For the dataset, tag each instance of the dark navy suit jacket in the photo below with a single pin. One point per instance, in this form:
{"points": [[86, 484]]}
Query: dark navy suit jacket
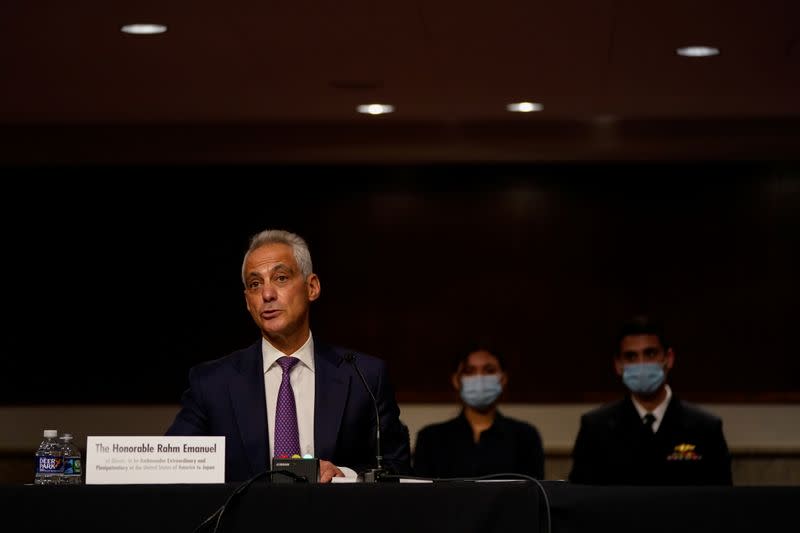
{"points": [[614, 447], [226, 397]]}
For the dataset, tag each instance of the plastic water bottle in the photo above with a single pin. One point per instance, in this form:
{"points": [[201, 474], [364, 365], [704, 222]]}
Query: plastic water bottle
{"points": [[72, 461], [49, 460]]}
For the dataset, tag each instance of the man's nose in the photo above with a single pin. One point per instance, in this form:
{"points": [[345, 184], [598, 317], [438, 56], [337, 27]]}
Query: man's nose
{"points": [[268, 292]]}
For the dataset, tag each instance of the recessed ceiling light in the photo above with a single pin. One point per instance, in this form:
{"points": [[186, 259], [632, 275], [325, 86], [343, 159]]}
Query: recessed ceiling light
{"points": [[375, 109], [524, 107], [143, 29], [697, 51]]}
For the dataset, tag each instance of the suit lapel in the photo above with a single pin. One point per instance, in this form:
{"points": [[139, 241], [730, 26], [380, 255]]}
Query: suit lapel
{"points": [[628, 415], [671, 416], [331, 386], [248, 399], [631, 423]]}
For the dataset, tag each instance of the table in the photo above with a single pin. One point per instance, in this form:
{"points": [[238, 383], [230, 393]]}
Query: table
{"points": [[407, 508]]}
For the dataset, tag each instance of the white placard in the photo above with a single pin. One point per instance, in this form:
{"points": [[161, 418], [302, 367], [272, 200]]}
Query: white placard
{"points": [[146, 460]]}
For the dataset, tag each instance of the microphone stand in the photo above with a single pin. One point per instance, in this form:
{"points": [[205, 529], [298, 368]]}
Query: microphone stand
{"points": [[372, 475]]}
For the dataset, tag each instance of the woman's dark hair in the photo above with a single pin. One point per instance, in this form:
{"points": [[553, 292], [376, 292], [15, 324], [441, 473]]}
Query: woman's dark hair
{"points": [[467, 349]]}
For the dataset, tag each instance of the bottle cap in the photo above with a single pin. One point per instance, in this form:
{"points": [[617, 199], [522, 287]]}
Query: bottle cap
{"points": [[49, 433], [66, 436]]}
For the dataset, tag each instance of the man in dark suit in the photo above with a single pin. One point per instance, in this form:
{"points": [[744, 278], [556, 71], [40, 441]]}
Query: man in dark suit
{"points": [[289, 394], [650, 437]]}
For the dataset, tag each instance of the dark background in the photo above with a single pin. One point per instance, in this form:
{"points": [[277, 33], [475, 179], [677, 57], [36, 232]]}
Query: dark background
{"points": [[118, 279]]}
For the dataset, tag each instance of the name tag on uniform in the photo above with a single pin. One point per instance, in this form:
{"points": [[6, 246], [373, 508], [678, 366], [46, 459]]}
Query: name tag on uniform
{"points": [[146, 460]]}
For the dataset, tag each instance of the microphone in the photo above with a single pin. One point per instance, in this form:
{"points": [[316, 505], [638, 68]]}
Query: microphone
{"points": [[374, 474]]}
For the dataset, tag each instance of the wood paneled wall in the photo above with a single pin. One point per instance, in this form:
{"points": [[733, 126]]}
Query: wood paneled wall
{"points": [[117, 280]]}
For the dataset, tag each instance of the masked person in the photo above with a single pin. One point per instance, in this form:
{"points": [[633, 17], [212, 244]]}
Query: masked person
{"points": [[480, 441], [649, 437]]}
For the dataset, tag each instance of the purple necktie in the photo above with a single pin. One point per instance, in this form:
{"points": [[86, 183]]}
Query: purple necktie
{"points": [[287, 439]]}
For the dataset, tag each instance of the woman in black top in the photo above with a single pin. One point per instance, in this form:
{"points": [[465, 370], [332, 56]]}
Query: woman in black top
{"points": [[480, 441]]}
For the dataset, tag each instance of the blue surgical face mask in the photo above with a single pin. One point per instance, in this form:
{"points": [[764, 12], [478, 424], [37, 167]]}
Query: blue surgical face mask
{"points": [[480, 391], [643, 378]]}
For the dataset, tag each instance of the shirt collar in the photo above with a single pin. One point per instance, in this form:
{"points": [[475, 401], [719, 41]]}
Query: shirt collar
{"points": [[305, 353], [659, 411]]}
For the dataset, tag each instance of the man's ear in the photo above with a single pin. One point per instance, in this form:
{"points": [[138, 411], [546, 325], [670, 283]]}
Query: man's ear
{"points": [[503, 379], [313, 287], [669, 359], [618, 366]]}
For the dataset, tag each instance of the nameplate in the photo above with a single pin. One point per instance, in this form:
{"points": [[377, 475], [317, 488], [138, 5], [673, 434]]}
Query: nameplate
{"points": [[154, 460]]}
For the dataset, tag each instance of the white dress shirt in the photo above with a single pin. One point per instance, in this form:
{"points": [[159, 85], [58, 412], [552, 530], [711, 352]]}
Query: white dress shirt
{"points": [[658, 412], [302, 380]]}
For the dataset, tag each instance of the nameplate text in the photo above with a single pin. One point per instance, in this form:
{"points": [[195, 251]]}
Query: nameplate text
{"points": [[146, 460]]}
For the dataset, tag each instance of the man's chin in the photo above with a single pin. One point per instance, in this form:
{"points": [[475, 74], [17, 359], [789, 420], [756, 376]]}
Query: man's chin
{"points": [[272, 328]]}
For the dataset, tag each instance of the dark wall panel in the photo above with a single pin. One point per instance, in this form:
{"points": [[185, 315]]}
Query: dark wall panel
{"points": [[117, 280]]}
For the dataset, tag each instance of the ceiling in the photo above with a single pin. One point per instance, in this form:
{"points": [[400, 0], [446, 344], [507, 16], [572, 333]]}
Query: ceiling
{"points": [[278, 81]]}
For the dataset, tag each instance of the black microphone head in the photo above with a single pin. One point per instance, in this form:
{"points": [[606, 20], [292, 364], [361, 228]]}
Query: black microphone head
{"points": [[350, 357]]}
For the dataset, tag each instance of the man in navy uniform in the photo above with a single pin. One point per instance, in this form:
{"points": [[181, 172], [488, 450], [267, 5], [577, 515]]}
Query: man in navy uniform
{"points": [[650, 437]]}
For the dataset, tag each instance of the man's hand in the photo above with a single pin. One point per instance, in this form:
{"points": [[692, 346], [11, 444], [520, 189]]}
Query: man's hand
{"points": [[328, 471]]}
